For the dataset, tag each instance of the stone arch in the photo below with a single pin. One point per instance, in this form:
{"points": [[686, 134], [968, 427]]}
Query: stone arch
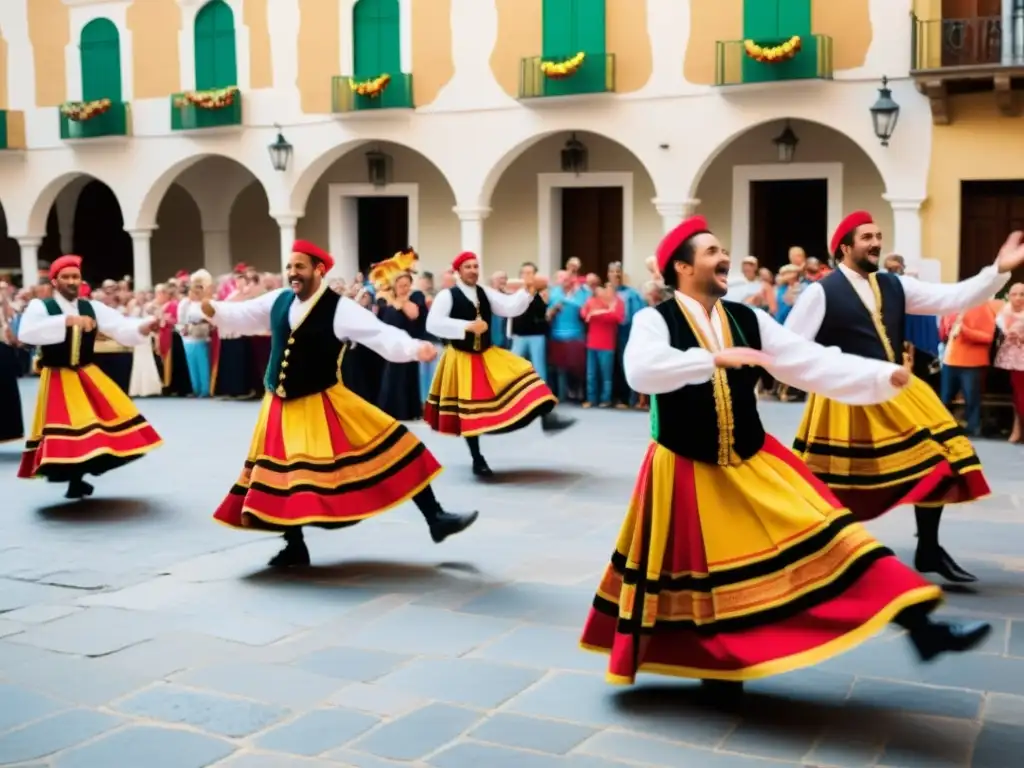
{"points": [[34, 224]]}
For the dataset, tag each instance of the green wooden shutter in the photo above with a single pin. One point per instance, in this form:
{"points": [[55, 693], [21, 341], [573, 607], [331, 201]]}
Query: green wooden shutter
{"points": [[215, 60], [100, 51], [794, 18], [589, 26], [559, 28], [761, 20], [377, 38]]}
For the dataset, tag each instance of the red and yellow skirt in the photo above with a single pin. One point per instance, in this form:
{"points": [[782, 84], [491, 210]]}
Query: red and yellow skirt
{"points": [[84, 425], [492, 392], [329, 460], [741, 572], [909, 450]]}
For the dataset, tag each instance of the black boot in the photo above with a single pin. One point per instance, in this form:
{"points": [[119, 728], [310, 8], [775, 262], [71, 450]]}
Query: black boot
{"points": [[78, 489], [552, 422], [442, 524], [294, 554], [931, 638], [480, 468], [930, 557]]}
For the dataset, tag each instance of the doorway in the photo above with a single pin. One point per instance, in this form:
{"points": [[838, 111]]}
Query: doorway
{"points": [[784, 214], [989, 211], [592, 227], [383, 224]]}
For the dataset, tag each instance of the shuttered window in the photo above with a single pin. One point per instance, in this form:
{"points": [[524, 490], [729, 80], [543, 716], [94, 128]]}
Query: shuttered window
{"points": [[571, 26], [776, 19], [377, 38], [216, 64], [100, 51]]}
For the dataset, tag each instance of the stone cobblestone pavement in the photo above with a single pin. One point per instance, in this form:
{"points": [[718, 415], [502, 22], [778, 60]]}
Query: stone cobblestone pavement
{"points": [[135, 632]]}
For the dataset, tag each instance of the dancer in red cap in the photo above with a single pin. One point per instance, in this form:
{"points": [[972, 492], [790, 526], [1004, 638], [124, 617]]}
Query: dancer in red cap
{"points": [[479, 388], [84, 424], [321, 455], [734, 562], [910, 450]]}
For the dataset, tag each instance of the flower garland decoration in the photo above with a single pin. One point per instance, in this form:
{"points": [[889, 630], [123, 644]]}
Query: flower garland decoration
{"points": [[216, 98], [81, 111], [369, 88], [560, 70], [773, 54]]}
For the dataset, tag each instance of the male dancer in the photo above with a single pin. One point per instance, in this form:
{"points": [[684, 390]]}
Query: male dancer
{"points": [[84, 424], [734, 562], [480, 388], [910, 450], [321, 455]]}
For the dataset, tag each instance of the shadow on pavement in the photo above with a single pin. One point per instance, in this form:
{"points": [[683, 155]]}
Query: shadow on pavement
{"points": [[102, 510], [535, 476]]}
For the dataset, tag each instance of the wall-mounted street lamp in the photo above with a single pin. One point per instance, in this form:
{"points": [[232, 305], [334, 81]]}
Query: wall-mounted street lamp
{"points": [[280, 152], [574, 156], [378, 168], [785, 144], [885, 113]]}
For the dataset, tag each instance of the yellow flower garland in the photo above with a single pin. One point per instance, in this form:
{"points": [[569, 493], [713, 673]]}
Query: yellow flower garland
{"points": [[216, 98], [370, 88], [563, 69], [81, 111], [774, 53]]}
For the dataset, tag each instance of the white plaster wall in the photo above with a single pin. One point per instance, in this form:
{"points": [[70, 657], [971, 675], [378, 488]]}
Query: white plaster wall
{"points": [[21, 79], [80, 15]]}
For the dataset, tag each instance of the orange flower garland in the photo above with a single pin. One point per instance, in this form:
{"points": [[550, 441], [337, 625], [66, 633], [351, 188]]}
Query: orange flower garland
{"points": [[369, 88], [563, 69], [218, 98], [81, 111], [774, 53]]}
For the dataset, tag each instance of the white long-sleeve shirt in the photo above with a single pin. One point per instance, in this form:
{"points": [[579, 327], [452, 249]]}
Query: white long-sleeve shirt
{"points": [[351, 323], [39, 328], [922, 298], [441, 324], [653, 366]]}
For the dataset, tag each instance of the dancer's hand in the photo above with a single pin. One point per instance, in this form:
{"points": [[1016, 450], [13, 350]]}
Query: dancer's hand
{"points": [[148, 327], [207, 307], [900, 378], [1011, 255], [426, 352], [80, 321], [737, 357], [477, 327]]}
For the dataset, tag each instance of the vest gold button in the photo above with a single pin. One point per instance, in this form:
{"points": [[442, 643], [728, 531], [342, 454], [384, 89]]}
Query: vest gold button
{"points": [[280, 392], [287, 352], [284, 363], [281, 376], [291, 340]]}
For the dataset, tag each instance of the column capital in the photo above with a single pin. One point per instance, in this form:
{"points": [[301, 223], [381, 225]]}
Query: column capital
{"points": [[469, 213], [140, 234], [286, 218], [900, 203], [30, 242], [675, 207]]}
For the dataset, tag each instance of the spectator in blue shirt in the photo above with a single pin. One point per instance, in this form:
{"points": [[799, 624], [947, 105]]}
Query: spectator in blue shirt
{"points": [[633, 302]]}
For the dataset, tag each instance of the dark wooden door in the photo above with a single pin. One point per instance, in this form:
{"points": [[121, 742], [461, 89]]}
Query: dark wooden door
{"points": [[592, 227], [383, 229], [784, 214], [989, 211]]}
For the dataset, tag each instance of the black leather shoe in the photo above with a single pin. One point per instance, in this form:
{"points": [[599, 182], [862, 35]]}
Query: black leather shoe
{"points": [[294, 555], [449, 523], [480, 469], [552, 422], [78, 489], [939, 637], [937, 560]]}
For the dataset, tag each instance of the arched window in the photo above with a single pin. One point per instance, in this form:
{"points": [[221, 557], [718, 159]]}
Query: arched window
{"points": [[376, 38], [216, 66], [571, 26], [100, 50], [770, 20]]}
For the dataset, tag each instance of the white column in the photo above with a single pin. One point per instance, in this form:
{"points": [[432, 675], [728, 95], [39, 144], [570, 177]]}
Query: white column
{"points": [[29, 259], [142, 260], [471, 226], [287, 226], [906, 236], [673, 213], [1006, 16], [217, 251]]}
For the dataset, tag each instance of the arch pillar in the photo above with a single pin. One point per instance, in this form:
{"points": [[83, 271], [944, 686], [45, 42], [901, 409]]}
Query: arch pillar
{"points": [[142, 260], [471, 227], [29, 260], [907, 236]]}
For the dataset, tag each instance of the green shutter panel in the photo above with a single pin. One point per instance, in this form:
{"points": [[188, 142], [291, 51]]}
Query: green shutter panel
{"points": [[589, 26], [215, 60], [559, 28], [366, 39], [794, 18], [100, 51], [761, 20], [389, 37]]}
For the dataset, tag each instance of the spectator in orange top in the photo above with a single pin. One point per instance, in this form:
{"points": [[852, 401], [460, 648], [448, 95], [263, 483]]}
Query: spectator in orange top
{"points": [[603, 313], [968, 338]]}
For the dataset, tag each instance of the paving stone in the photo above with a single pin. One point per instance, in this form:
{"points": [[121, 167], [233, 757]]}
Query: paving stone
{"points": [[470, 755], [40, 614], [270, 683], [544, 648], [206, 711], [15, 593], [94, 632], [417, 734], [362, 760], [805, 686], [998, 746], [848, 746], [19, 706], [150, 747], [82, 681], [240, 628], [531, 733], [781, 734], [8, 628], [926, 742], [317, 731], [1015, 644], [472, 682], [355, 664], [642, 750], [275, 760], [172, 652], [921, 699], [973, 671], [376, 700], [539, 603], [45, 737], [416, 630], [1008, 710], [80, 579]]}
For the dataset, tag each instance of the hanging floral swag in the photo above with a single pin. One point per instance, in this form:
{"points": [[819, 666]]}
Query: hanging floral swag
{"points": [[369, 88], [773, 54], [560, 70], [81, 111], [217, 98]]}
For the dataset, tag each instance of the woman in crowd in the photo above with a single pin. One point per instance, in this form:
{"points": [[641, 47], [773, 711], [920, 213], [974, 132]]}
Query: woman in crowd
{"points": [[400, 382], [1010, 356], [145, 379], [12, 426], [196, 335]]}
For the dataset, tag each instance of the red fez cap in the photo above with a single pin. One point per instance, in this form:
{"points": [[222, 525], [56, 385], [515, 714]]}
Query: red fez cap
{"points": [[182, 274], [241, 267], [64, 262], [85, 291], [848, 225], [677, 237], [306, 247], [462, 258]]}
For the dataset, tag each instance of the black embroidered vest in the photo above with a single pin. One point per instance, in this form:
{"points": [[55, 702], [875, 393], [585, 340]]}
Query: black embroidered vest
{"points": [[715, 422], [304, 360], [534, 321], [464, 309], [77, 349], [849, 325]]}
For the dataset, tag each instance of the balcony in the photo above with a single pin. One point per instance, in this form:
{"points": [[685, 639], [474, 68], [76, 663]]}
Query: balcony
{"points": [[116, 121], [957, 56], [395, 95], [734, 67], [221, 108], [12, 130], [596, 74]]}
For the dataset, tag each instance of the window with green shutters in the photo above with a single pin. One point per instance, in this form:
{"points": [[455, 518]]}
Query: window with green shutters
{"points": [[769, 20], [216, 65], [571, 26], [100, 51], [377, 39]]}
